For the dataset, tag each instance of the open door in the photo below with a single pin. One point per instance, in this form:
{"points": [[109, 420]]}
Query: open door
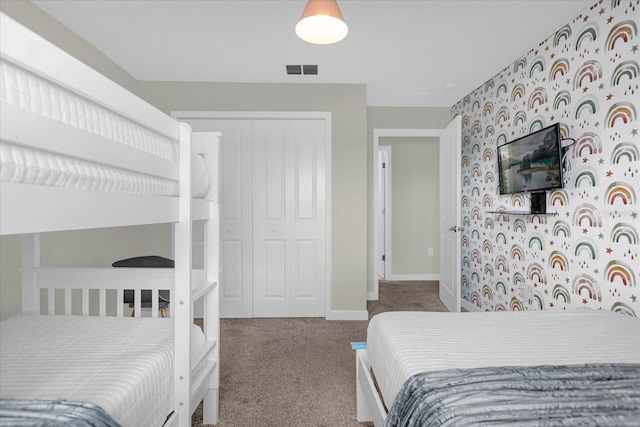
{"points": [[384, 165], [450, 216]]}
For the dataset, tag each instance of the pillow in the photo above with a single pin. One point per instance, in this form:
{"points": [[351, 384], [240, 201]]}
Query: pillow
{"points": [[150, 261]]}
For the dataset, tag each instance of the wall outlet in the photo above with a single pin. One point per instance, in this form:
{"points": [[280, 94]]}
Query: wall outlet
{"points": [[430, 251]]}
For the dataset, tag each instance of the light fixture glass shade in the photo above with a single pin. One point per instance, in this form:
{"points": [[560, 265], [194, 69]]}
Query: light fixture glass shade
{"points": [[321, 22]]}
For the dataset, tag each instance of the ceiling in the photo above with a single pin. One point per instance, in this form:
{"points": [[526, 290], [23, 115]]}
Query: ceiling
{"points": [[408, 53]]}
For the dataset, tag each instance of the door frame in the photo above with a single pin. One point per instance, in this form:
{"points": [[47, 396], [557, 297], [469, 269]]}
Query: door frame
{"points": [[288, 115], [386, 229], [377, 134]]}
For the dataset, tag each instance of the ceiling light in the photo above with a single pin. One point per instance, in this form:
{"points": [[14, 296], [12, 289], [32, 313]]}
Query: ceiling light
{"points": [[321, 23]]}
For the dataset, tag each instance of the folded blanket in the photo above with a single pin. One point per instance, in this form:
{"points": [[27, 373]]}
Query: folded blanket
{"points": [[594, 394], [38, 413]]}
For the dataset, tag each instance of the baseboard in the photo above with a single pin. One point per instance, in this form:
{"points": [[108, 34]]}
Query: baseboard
{"points": [[348, 315], [412, 277], [468, 306]]}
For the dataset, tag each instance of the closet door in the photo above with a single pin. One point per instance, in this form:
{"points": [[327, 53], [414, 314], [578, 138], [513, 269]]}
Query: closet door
{"points": [[236, 227], [288, 218]]}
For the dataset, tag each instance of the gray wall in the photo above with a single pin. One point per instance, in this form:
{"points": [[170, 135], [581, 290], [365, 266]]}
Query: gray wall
{"points": [[38, 21], [415, 205], [347, 103]]}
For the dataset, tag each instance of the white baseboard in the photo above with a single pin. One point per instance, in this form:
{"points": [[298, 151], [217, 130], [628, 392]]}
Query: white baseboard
{"points": [[468, 306], [412, 277], [348, 315]]}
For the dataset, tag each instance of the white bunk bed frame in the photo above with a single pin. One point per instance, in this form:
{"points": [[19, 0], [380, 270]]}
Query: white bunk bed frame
{"points": [[30, 209]]}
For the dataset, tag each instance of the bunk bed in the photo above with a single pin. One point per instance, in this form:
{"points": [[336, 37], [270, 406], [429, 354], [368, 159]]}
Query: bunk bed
{"points": [[431, 368], [80, 152]]}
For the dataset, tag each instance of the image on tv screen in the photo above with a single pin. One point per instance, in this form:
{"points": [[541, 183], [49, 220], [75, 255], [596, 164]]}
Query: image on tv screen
{"points": [[531, 162]]}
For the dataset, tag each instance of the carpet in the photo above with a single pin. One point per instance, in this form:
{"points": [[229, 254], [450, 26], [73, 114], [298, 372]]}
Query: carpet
{"points": [[300, 372]]}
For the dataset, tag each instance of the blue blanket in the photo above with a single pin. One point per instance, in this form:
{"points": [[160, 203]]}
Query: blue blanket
{"points": [[39, 413], [592, 395]]}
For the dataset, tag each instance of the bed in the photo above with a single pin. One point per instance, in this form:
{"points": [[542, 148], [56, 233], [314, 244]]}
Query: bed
{"points": [[77, 151], [437, 347]]}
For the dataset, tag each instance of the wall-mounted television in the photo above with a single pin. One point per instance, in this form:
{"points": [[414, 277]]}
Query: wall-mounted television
{"points": [[532, 162]]}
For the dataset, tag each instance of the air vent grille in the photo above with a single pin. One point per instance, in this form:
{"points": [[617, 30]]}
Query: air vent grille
{"points": [[310, 69], [294, 69], [307, 70]]}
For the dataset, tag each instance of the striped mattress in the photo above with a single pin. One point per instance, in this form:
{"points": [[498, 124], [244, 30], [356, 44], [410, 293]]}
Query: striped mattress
{"points": [[401, 344], [18, 164], [123, 365]]}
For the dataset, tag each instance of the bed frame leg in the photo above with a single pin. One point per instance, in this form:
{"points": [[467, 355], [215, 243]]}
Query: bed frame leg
{"points": [[210, 407]]}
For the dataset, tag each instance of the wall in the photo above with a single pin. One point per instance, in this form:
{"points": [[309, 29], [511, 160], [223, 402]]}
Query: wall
{"points": [[586, 77], [348, 154], [10, 294], [347, 103], [41, 23], [415, 222]]}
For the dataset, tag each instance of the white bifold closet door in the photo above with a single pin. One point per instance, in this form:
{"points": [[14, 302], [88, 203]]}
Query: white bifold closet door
{"points": [[273, 218]]}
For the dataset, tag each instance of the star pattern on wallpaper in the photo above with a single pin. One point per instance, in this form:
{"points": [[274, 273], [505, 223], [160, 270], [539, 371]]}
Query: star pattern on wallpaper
{"points": [[586, 77]]}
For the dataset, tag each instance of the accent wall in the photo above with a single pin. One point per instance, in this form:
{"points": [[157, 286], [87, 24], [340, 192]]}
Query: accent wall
{"points": [[586, 251]]}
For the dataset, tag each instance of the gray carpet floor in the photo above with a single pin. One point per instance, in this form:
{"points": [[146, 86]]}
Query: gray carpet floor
{"points": [[301, 371]]}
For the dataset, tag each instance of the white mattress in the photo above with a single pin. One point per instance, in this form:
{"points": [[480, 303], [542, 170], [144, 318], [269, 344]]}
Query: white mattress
{"points": [[124, 365], [25, 165], [23, 89], [401, 344]]}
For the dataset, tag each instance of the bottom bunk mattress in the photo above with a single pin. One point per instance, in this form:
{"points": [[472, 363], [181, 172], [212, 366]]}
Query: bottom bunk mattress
{"points": [[123, 365], [402, 344]]}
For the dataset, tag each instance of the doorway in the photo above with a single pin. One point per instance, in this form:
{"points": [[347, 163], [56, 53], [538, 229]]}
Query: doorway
{"points": [[378, 239]]}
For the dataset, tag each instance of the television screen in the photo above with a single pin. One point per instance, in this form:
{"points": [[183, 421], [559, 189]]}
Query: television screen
{"points": [[531, 163]]}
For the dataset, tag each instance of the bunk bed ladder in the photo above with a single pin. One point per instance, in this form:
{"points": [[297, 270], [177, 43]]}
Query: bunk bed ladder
{"points": [[182, 307], [197, 368], [206, 365]]}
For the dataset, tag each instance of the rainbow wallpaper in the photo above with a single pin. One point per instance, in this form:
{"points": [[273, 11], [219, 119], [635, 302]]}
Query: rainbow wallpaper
{"points": [[586, 76]]}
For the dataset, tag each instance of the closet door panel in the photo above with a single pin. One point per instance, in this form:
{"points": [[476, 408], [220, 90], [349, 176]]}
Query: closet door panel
{"points": [[231, 270], [305, 280], [272, 208], [307, 225], [271, 212], [272, 174], [305, 176], [236, 211]]}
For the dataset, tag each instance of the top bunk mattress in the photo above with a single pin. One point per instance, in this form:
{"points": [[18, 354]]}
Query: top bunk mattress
{"points": [[401, 344], [25, 91], [123, 365]]}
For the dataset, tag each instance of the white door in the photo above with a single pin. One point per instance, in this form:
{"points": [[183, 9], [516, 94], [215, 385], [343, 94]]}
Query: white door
{"points": [[383, 167], [272, 216], [450, 216], [289, 218], [236, 217]]}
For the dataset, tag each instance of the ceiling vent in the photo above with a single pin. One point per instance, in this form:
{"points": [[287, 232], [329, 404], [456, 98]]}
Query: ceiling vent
{"points": [[302, 69]]}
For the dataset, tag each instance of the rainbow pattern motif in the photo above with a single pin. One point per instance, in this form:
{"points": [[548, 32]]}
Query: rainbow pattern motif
{"points": [[586, 77]]}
